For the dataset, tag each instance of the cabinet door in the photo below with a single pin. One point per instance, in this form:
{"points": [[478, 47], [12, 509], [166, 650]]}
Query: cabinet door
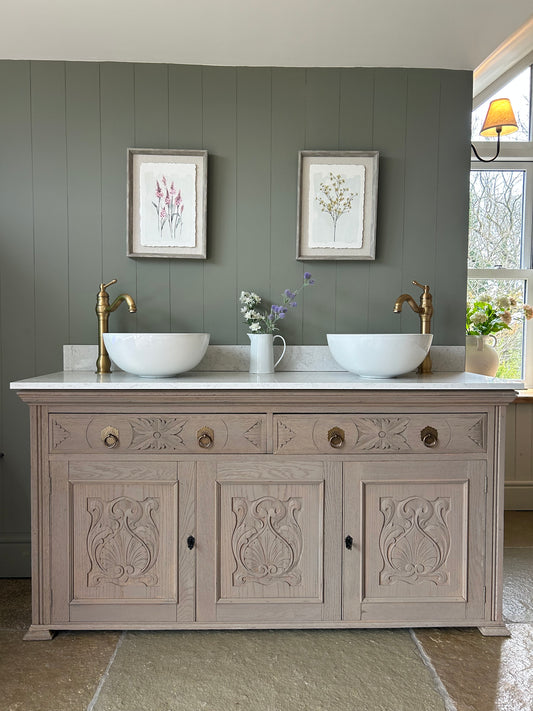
{"points": [[269, 536], [119, 542], [418, 532]]}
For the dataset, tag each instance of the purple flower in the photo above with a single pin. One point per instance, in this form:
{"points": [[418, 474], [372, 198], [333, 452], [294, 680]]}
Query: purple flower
{"points": [[266, 323]]}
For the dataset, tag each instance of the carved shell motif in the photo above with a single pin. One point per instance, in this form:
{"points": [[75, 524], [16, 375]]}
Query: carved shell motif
{"points": [[415, 540], [267, 541], [123, 541]]}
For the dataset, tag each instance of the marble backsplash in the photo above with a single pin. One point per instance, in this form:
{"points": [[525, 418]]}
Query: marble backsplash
{"points": [[297, 358]]}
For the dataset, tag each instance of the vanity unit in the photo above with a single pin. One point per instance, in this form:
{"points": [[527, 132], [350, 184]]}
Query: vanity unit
{"points": [[227, 500]]}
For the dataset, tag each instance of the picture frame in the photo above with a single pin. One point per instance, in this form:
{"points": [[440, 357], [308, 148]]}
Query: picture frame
{"points": [[167, 203], [337, 204]]}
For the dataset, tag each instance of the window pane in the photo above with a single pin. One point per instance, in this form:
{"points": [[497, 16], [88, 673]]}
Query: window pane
{"points": [[510, 343], [496, 219], [518, 91]]}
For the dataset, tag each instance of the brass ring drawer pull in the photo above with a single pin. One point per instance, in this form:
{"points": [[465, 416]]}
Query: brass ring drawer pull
{"points": [[110, 437], [336, 437], [205, 437], [430, 437]]}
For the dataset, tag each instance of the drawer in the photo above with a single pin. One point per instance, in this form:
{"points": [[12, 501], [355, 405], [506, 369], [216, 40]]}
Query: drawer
{"points": [[413, 433], [165, 434]]}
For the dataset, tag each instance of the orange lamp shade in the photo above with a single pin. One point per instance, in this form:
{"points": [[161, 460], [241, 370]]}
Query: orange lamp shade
{"points": [[500, 119]]}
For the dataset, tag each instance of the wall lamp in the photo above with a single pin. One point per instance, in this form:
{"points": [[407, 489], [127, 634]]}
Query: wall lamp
{"points": [[499, 121]]}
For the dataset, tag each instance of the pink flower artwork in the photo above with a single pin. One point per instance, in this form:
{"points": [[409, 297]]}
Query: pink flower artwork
{"points": [[169, 209]]}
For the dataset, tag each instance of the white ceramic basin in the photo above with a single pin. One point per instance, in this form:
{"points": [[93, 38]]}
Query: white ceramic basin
{"points": [[379, 355], [156, 355]]}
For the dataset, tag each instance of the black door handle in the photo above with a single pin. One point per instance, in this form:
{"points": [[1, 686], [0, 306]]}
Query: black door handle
{"points": [[190, 542], [348, 541]]}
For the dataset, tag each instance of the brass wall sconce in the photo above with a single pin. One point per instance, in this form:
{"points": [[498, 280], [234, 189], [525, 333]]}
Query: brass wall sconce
{"points": [[499, 121]]}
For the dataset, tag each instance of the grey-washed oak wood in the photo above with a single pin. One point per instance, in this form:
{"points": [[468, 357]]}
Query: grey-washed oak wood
{"points": [[148, 529]]}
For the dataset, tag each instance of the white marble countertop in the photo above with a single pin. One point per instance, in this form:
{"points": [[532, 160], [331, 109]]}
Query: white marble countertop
{"points": [[296, 380]]}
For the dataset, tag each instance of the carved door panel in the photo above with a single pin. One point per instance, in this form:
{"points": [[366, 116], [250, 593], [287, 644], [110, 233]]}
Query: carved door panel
{"points": [[119, 535], [271, 551], [418, 552]]}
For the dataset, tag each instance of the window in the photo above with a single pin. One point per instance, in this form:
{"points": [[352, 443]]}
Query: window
{"points": [[500, 260]]}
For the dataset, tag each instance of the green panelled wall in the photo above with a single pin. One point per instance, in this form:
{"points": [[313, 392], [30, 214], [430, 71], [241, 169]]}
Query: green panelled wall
{"points": [[64, 131]]}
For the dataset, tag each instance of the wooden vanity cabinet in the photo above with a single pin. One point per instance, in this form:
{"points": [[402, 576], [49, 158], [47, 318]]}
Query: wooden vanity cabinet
{"points": [[221, 509]]}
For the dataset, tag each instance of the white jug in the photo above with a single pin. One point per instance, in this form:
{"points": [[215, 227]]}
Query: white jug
{"points": [[262, 352]]}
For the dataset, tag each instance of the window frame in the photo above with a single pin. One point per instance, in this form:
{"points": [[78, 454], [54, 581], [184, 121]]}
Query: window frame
{"points": [[516, 156]]}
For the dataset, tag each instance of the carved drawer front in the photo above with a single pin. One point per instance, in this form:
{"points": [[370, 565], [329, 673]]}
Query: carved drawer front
{"points": [[163, 434], [383, 433]]}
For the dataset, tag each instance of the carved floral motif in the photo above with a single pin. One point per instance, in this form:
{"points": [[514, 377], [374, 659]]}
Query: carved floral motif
{"points": [[415, 540], [381, 433], [267, 541], [157, 433], [123, 541]]}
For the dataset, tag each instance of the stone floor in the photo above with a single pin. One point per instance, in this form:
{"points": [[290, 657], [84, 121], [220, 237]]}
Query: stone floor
{"points": [[319, 670]]}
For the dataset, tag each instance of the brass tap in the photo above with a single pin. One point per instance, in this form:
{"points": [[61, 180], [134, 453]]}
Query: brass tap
{"points": [[103, 309], [425, 311]]}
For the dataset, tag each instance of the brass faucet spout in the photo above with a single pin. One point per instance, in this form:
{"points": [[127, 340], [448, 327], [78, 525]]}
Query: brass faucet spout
{"points": [[405, 298], [103, 309], [123, 297]]}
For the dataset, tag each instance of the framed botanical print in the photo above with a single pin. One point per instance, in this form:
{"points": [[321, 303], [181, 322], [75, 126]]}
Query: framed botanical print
{"points": [[337, 204], [167, 192]]}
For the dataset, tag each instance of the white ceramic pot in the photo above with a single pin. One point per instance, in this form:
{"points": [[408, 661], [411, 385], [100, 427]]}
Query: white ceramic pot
{"points": [[262, 352], [481, 356]]}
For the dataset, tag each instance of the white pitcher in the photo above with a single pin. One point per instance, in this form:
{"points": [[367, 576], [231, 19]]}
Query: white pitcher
{"points": [[262, 352]]}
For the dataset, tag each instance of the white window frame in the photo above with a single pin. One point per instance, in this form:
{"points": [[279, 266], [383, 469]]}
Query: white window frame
{"points": [[516, 156]]}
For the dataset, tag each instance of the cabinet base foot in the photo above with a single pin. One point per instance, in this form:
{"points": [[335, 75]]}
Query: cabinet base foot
{"points": [[495, 631], [36, 633]]}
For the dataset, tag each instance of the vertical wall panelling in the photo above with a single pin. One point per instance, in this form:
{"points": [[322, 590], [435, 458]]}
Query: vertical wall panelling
{"points": [[83, 196], [321, 133], [421, 196], [17, 313], [356, 129], [64, 131], [186, 131], [220, 139], [288, 137], [386, 282], [452, 208], [117, 135], [151, 131], [50, 213], [253, 195]]}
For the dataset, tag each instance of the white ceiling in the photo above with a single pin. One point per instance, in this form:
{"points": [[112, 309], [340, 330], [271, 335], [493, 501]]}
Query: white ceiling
{"points": [[451, 34]]}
